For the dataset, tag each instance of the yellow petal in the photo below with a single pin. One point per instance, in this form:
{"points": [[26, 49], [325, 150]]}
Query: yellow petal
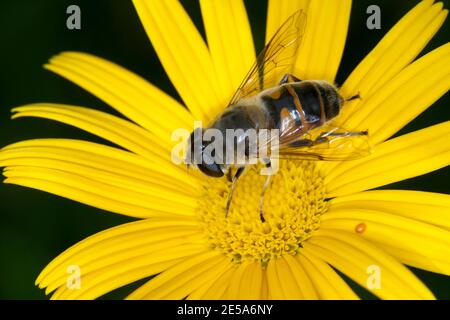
{"points": [[116, 253], [429, 207], [328, 284], [182, 279], [128, 234], [273, 282], [251, 284], [282, 282], [214, 289], [233, 287], [265, 294], [417, 260], [182, 53], [404, 97], [109, 127], [221, 266], [126, 92], [100, 157], [301, 277], [323, 43], [245, 283], [355, 257], [97, 283], [102, 195], [131, 248], [97, 175], [279, 10], [401, 158], [419, 239], [230, 43], [396, 50], [210, 289]]}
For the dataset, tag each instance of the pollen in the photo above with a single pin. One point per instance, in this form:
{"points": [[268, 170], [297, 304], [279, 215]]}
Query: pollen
{"points": [[293, 205]]}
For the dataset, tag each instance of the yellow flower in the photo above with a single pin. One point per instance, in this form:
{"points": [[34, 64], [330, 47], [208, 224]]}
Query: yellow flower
{"points": [[319, 215]]}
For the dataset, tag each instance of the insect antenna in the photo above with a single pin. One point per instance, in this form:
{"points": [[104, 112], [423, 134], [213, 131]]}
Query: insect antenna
{"points": [[356, 96]]}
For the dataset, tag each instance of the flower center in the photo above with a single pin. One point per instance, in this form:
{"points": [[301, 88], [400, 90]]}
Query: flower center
{"points": [[293, 204]]}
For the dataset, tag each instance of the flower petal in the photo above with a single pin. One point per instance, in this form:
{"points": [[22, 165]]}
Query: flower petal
{"points": [[101, 156], [288, 280], [424, 245], [115, 239], [328, 284], [97, 283], [209, 290], [323, 44], [101, 176], [428, 207], [109, 127], [214, 289], [353, 255], [182, 279], [91, 192], [396, 50], [401, 158], [403, 97], [273, 282], [230, 43], [183, 54], [265, 294], [279, 10], [115, 250], [282, 282], [212, 274], [124, 91], [245, 283], [301, 277], [252, 282], [324, 40]]}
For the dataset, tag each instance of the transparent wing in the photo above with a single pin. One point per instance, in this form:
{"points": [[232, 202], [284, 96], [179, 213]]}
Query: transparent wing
{"points": [[275, 60], [327, 142]]}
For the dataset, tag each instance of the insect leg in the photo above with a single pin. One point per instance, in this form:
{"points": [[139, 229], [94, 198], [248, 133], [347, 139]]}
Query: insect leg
{"points": [[288, 78], [325, 137], [301, 143], [344, 134], [356, 96], [229, 176], [233, 183], [322, 138], [261, 201]]}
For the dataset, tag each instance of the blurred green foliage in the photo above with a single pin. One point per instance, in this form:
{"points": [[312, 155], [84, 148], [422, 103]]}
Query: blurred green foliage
{"points": [[36, 226]]}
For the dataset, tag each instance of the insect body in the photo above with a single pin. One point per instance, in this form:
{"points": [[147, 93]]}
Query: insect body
{"points": [[271, 97], [301, 106]]}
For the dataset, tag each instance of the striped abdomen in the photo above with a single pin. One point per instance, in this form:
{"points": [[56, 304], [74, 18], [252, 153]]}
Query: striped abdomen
{"points": [[307, 104]]}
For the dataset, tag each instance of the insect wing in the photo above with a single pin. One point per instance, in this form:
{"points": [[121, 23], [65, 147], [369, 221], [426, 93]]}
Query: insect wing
{"points": [[276, 59], [326, 142]]}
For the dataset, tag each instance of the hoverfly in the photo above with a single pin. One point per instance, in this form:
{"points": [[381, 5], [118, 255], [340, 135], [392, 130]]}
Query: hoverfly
{"points": [[271, 97]]}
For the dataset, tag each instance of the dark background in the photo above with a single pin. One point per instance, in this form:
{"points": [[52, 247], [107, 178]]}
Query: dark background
{"points": [[36, 226]]}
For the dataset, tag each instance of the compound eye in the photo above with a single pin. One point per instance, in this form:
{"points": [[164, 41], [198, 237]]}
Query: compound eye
{"points": [[212, 170]]}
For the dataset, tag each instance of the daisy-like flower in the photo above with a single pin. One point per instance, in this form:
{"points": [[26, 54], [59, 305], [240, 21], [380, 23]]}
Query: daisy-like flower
{"points": [[319, 215]]}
